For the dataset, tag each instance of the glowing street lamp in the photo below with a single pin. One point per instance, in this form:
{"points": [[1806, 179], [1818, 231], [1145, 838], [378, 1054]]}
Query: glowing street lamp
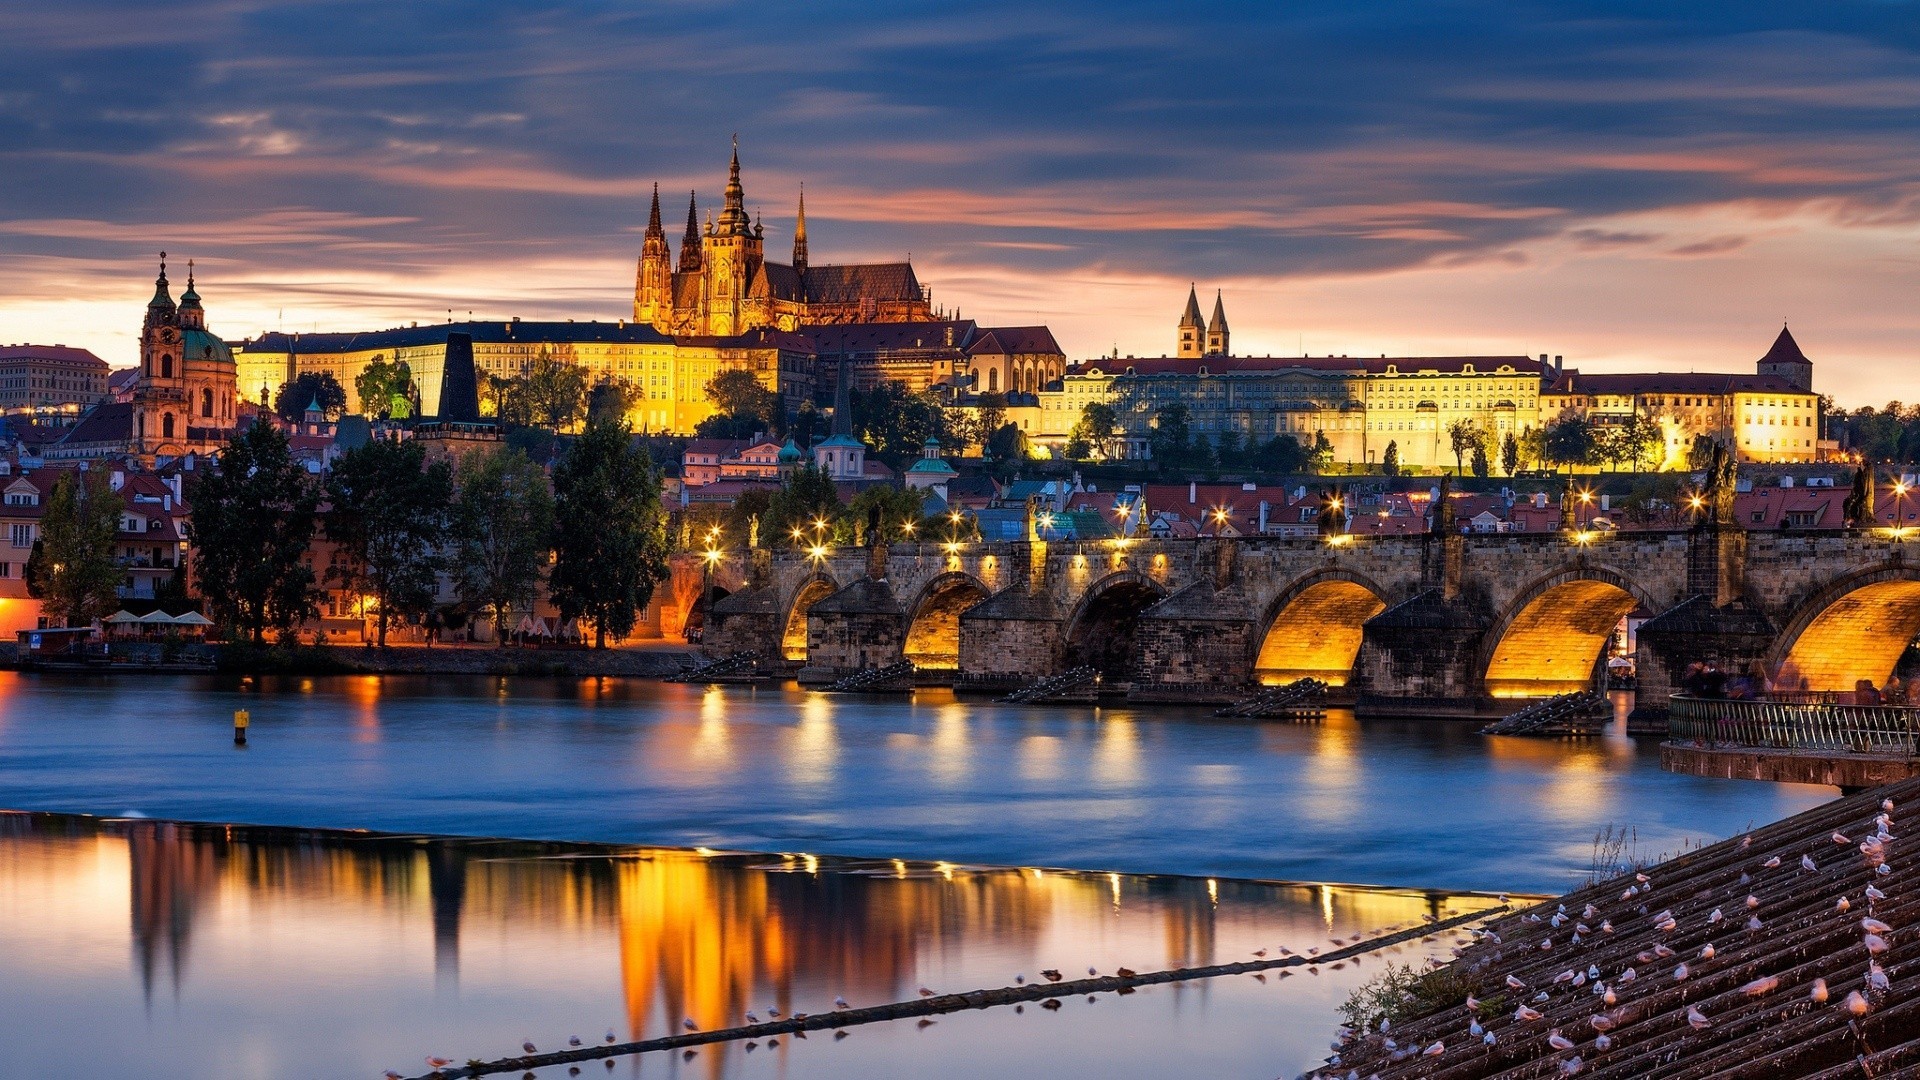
{"points": [[1899, 516]]}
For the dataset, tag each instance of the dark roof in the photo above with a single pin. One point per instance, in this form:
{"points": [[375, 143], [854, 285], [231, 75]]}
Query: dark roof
{"points": [[1233, 365], [834, 339], [1785, 350], [436, 333], [60, 353], [851, 284], [1657, 382], [1007, 340], [107, 422], [777, 280]]}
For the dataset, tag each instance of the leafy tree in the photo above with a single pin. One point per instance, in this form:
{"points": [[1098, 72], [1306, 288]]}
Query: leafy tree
{"points": [[897, 508], [728, 426], [72, 570], [612, 398], [1510, 454], [1280, 454], [386, 389], [1095, 430], [252, 526], [1532, 445], [609, 536], [1227, 449], [556, 392], [738, 392], [1464, 435], [305, 389], [1170, 441], [503, 531], [894, 423], [1320, 458], [1390, 461], [1482, 465], [806, 495], [389, 514], [1005, 450], [1569, 440]]}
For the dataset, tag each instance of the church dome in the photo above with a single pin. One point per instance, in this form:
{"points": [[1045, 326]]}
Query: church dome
{"points": [[203, 345], [790, 452]]}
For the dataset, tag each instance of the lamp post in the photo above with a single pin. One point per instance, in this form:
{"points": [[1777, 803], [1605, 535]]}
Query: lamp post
{"points": [[1899, 518]]}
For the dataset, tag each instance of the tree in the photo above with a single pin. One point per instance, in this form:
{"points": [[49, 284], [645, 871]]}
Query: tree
{"points": [[252, 526], [1532, 445], [389, 516], [503, 530], [386, 390], [1642, 438], [556, 392], [1280, 454], [1228, 450], [728, 426], [894, 423], [1320, 458], [1390, 461], [1170, 441], [1005, 449], [1094, 430], [895, 507], [738, 392], [612, 398], [1569, 440], [72, 570], [1464, 435], [1510, 454], [609, 535], [1482, 465], [806, 495], [305, 389]]}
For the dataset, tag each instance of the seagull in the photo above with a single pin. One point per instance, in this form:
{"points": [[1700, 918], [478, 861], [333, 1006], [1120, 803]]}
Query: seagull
{"points": [[1714, 916], [573, 1040], [1541, 996], [1524, 1014], [1515, 983], [1628, 975], [527, 1045], [927, 1022], [1474, 1029], [1601, 1022], [1606, 926], [1259, 952], [1559, 1041], [1435, 1050], [1771, 863], [1680, 973], [1877, 977], [839, 1003], [924, 992], [1018, 980], [1761, 986], [1571, 1065], [1887, 805], [438, 1063], [1754, 924], [1609, 997], [610, 1035], [1602, 1043], [1841, 839], [751, 1019], [1706, 951], [1050, 975], [773, 1011], [1806, 863], [1752, 901], [1473, 1003], [1875, 944], [1819, 993], [1488, 1038], [1841, 905], [1697, 1018], [687, 1022], [1128, 973], [1856, 1004], [1091, 974], [1875, 926]]}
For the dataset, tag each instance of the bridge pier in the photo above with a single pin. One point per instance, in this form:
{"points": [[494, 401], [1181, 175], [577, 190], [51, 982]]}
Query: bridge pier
{"points": [[1196, 645], [1419, 657], [862, 626]]}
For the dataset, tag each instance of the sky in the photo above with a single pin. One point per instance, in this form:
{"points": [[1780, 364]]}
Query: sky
{"points": [[1626, 184]]}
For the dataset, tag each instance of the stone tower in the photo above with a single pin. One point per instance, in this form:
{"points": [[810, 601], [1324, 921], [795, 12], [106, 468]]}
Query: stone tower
{"points": [[1787, 361], [1192, 330], [730, 253], [800, 236], [653, 285], [183, 399], [1217, 328], [690, 240]]}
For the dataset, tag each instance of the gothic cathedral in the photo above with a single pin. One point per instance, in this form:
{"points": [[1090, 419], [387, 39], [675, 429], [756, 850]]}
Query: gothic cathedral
{"points": [[722, 285]]}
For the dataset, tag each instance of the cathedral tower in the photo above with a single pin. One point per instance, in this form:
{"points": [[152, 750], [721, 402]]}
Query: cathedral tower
{"points": [[183, 399], [1192, 330], [1217, 328], [800, 236], [653, 284], [690, 240], [730, 254]]}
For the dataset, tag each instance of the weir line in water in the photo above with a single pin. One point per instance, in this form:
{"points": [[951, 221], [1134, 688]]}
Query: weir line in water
{"points": [[948, 1003]]}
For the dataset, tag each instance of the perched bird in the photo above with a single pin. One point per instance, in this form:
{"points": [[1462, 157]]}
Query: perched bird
{"points": [[1628, 975], [838, 1003], [1600, 1022], [1259, 952], [1515, 983], [1092, 973], [1877, 978], [391, 1075], [752, 1019], [1488, 1038], [574, 1040], [773, 1011], [1473, 1003], [1523, 1014], [1018, 980], [1541, 996], [687, 1022], [1714, 916], [1666, 925], [1841, 905], [1606, 926], [1050, 975], [1875, 894], [1840, 838], [1435, 1050], [1680, 973], [924, 992], [1559, 1041], [1609, 997], [1706, 951], [527, 1045], [1126, 973], [1875, 926], [1856, 1004], [1698, 1019], [1875, 944], [438, 1063], [927, 1022], [1754, 925], [1771, 863], [1752, 901], [1819, 992], [1474, 1029], [1602, 1044], [1662, 952], [1746, 842], [611, 1037], [1764, 985], [1806, 863], [1887, 805]]}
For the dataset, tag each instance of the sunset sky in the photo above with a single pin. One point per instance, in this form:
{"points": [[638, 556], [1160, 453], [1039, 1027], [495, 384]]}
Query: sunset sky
{"points": [[1623, 183]]}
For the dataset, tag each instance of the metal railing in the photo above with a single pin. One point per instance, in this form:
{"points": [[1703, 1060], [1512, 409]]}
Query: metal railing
{"points": [[1821, 726]]}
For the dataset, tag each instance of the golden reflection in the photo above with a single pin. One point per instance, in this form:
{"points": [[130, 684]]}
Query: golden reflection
{"points": [[815, 744], [1116, 753], [951, 761], [1040, 758]]}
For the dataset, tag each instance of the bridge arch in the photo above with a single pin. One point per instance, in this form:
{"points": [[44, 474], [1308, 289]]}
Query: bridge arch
{"points": [[1313, 627], [933, 619], [1549, 639], [1854, 628], [1105, 624], [793, 625]]}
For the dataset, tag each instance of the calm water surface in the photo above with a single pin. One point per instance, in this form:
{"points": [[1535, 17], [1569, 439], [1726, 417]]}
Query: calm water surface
{"points": [[1416, 804], [158, 950]]}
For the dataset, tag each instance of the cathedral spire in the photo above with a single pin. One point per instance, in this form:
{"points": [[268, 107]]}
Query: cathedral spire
{"points": [[690, 243], [733, 217], [800, 234], [162, 299], [654, 228]]}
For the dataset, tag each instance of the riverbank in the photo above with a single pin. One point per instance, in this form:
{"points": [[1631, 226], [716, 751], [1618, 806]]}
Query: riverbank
{"points": [[652, 660]]}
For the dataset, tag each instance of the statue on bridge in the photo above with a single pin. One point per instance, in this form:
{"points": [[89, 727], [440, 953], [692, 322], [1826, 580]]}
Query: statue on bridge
{"points": [[1441, 516], [1721, 485], [753, 531], [1858, 508]]}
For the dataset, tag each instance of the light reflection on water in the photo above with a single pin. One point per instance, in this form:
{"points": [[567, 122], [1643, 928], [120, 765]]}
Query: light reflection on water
{"points": [[1424, 804], [175, 951]]}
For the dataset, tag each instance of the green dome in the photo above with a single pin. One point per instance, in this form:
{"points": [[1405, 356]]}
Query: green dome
{"points": [[201, 345], [790, 452]]}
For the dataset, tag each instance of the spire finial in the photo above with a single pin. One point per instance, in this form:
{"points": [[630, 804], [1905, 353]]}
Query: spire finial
{"points": [[800, 233], [189, 274], [163, 266]]}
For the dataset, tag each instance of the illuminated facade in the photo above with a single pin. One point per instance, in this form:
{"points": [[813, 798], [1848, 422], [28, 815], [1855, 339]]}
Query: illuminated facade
{"points": [[50, 379]]}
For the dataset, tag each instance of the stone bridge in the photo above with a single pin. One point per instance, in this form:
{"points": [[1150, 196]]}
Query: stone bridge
{"points": [[1421, 623]]}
